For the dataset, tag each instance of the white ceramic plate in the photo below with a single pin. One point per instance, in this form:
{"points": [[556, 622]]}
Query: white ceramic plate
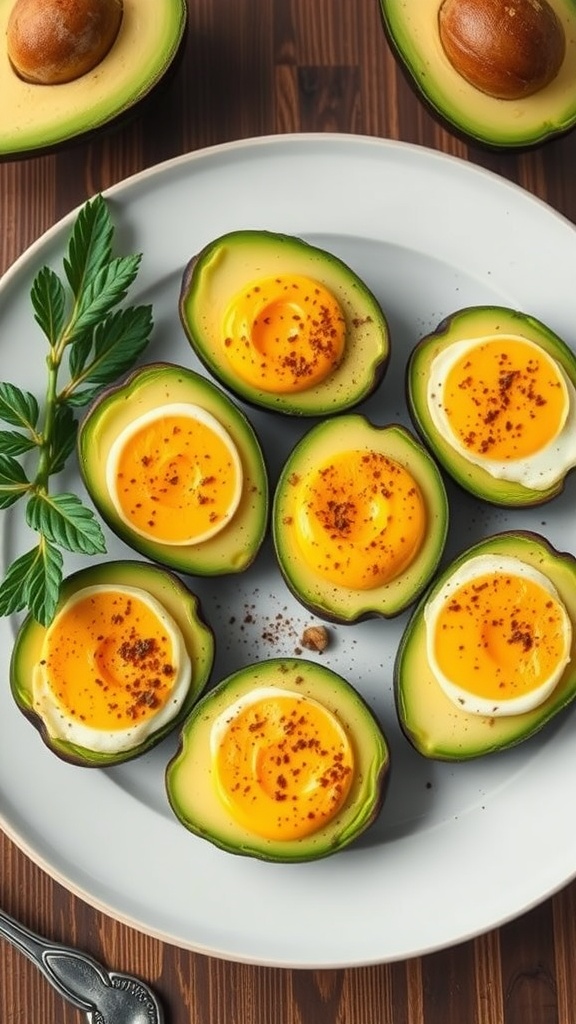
{"points": [[458, 848]]}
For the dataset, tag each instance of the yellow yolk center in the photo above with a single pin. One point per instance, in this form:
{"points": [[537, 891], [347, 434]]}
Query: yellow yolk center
{"points": [[500, 636], [505, 399], [175, 475], [361, 519], [109, 660], [283, 765], [284, 334]]}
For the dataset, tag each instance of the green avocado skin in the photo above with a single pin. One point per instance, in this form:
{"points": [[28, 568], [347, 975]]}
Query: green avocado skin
{"points": [[341, 604], [192, 792], [435, 727], [153, 385], [180, 603], [411, 30], [468, 323], [217, 274]]}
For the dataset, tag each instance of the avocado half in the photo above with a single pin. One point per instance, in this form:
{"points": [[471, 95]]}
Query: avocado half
{"points": [[39, 117], [469, 323], [347, 433], [432, 723], [191, 790], [218, 273], [236, 546], [180, 603], [412, 31]]}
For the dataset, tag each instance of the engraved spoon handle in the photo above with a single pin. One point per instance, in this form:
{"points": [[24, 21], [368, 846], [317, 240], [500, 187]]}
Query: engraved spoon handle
{"points": [[103, 995]]}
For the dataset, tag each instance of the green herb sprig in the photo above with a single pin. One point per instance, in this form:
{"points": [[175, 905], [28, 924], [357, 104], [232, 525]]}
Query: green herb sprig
{"points": [[80, 319]]}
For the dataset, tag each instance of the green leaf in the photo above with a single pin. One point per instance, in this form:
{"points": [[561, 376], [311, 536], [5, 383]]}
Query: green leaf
{"points": [[13, 481], [63, 439], [79, 353], [49, 303], [118, 342], [90, 245], [105, 290], [33, 580], [18, 407], [42, 583], [12, 442], [12, 589], [77, 399], [64, 520]]}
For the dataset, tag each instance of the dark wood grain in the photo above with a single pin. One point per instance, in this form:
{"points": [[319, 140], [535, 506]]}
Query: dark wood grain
{"points": [[254, 67]]}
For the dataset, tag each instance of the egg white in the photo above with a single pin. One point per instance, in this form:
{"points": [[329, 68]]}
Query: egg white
{"points": [[538, 471], [193, 412], [226, 717], [464, 699], [60, 725]]}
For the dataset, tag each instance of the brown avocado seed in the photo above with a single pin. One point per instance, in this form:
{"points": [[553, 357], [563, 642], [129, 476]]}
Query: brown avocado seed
{"points": [[54, 41], [508, 49]]}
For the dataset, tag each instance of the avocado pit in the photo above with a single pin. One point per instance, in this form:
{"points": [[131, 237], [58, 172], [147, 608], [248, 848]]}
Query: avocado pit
{"points": [[508, 49], [50, 42]]}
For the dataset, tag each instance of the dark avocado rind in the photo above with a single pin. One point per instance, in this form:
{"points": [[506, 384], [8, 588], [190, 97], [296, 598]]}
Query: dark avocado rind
{"points": [[221, 269], [477, 322], [236, 546], [412, 31], [179, 602], [436, 727], [38, 118], [192, 793], [353, 432]]}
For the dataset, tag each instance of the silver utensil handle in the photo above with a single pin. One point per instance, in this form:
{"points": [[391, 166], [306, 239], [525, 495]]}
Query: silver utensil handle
{"points": [[76, 976]]}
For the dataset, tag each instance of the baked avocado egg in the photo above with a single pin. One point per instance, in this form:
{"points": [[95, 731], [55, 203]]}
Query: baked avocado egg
{"points": [[176, 470], [125, 658], [498, 71], [359, 519], [283, 324], [489, 654], [492, 391], [282, 761], [38, 116]]}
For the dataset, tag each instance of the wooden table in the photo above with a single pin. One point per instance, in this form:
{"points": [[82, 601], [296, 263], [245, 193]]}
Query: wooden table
{"points": [[255, 67]]}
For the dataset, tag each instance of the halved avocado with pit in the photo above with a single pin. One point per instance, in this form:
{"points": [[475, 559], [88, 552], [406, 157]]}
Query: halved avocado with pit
{"points": [[191, 785], [413, 33], [468, 324], [37, 117], [349, 433], [214, 277], [177, 600], [434, 725], [234, 548]]}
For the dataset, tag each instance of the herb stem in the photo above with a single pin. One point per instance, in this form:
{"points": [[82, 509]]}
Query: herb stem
{"points": [[45, 447]]}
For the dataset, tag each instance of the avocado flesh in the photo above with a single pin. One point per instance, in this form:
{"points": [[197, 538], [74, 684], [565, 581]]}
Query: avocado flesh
{"points": [[412, 30], [341, 604], [433, 724], [36, 117], [192, 792], [221, 270], [235, 547], [478, 322], [178, 601]]}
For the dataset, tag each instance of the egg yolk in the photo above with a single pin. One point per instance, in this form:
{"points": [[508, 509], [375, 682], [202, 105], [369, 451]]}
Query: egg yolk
{"points": [[175, 475], [505, 399], [284, 334], [361, 519], [109, 660], [283, 766], [500, 636]]}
